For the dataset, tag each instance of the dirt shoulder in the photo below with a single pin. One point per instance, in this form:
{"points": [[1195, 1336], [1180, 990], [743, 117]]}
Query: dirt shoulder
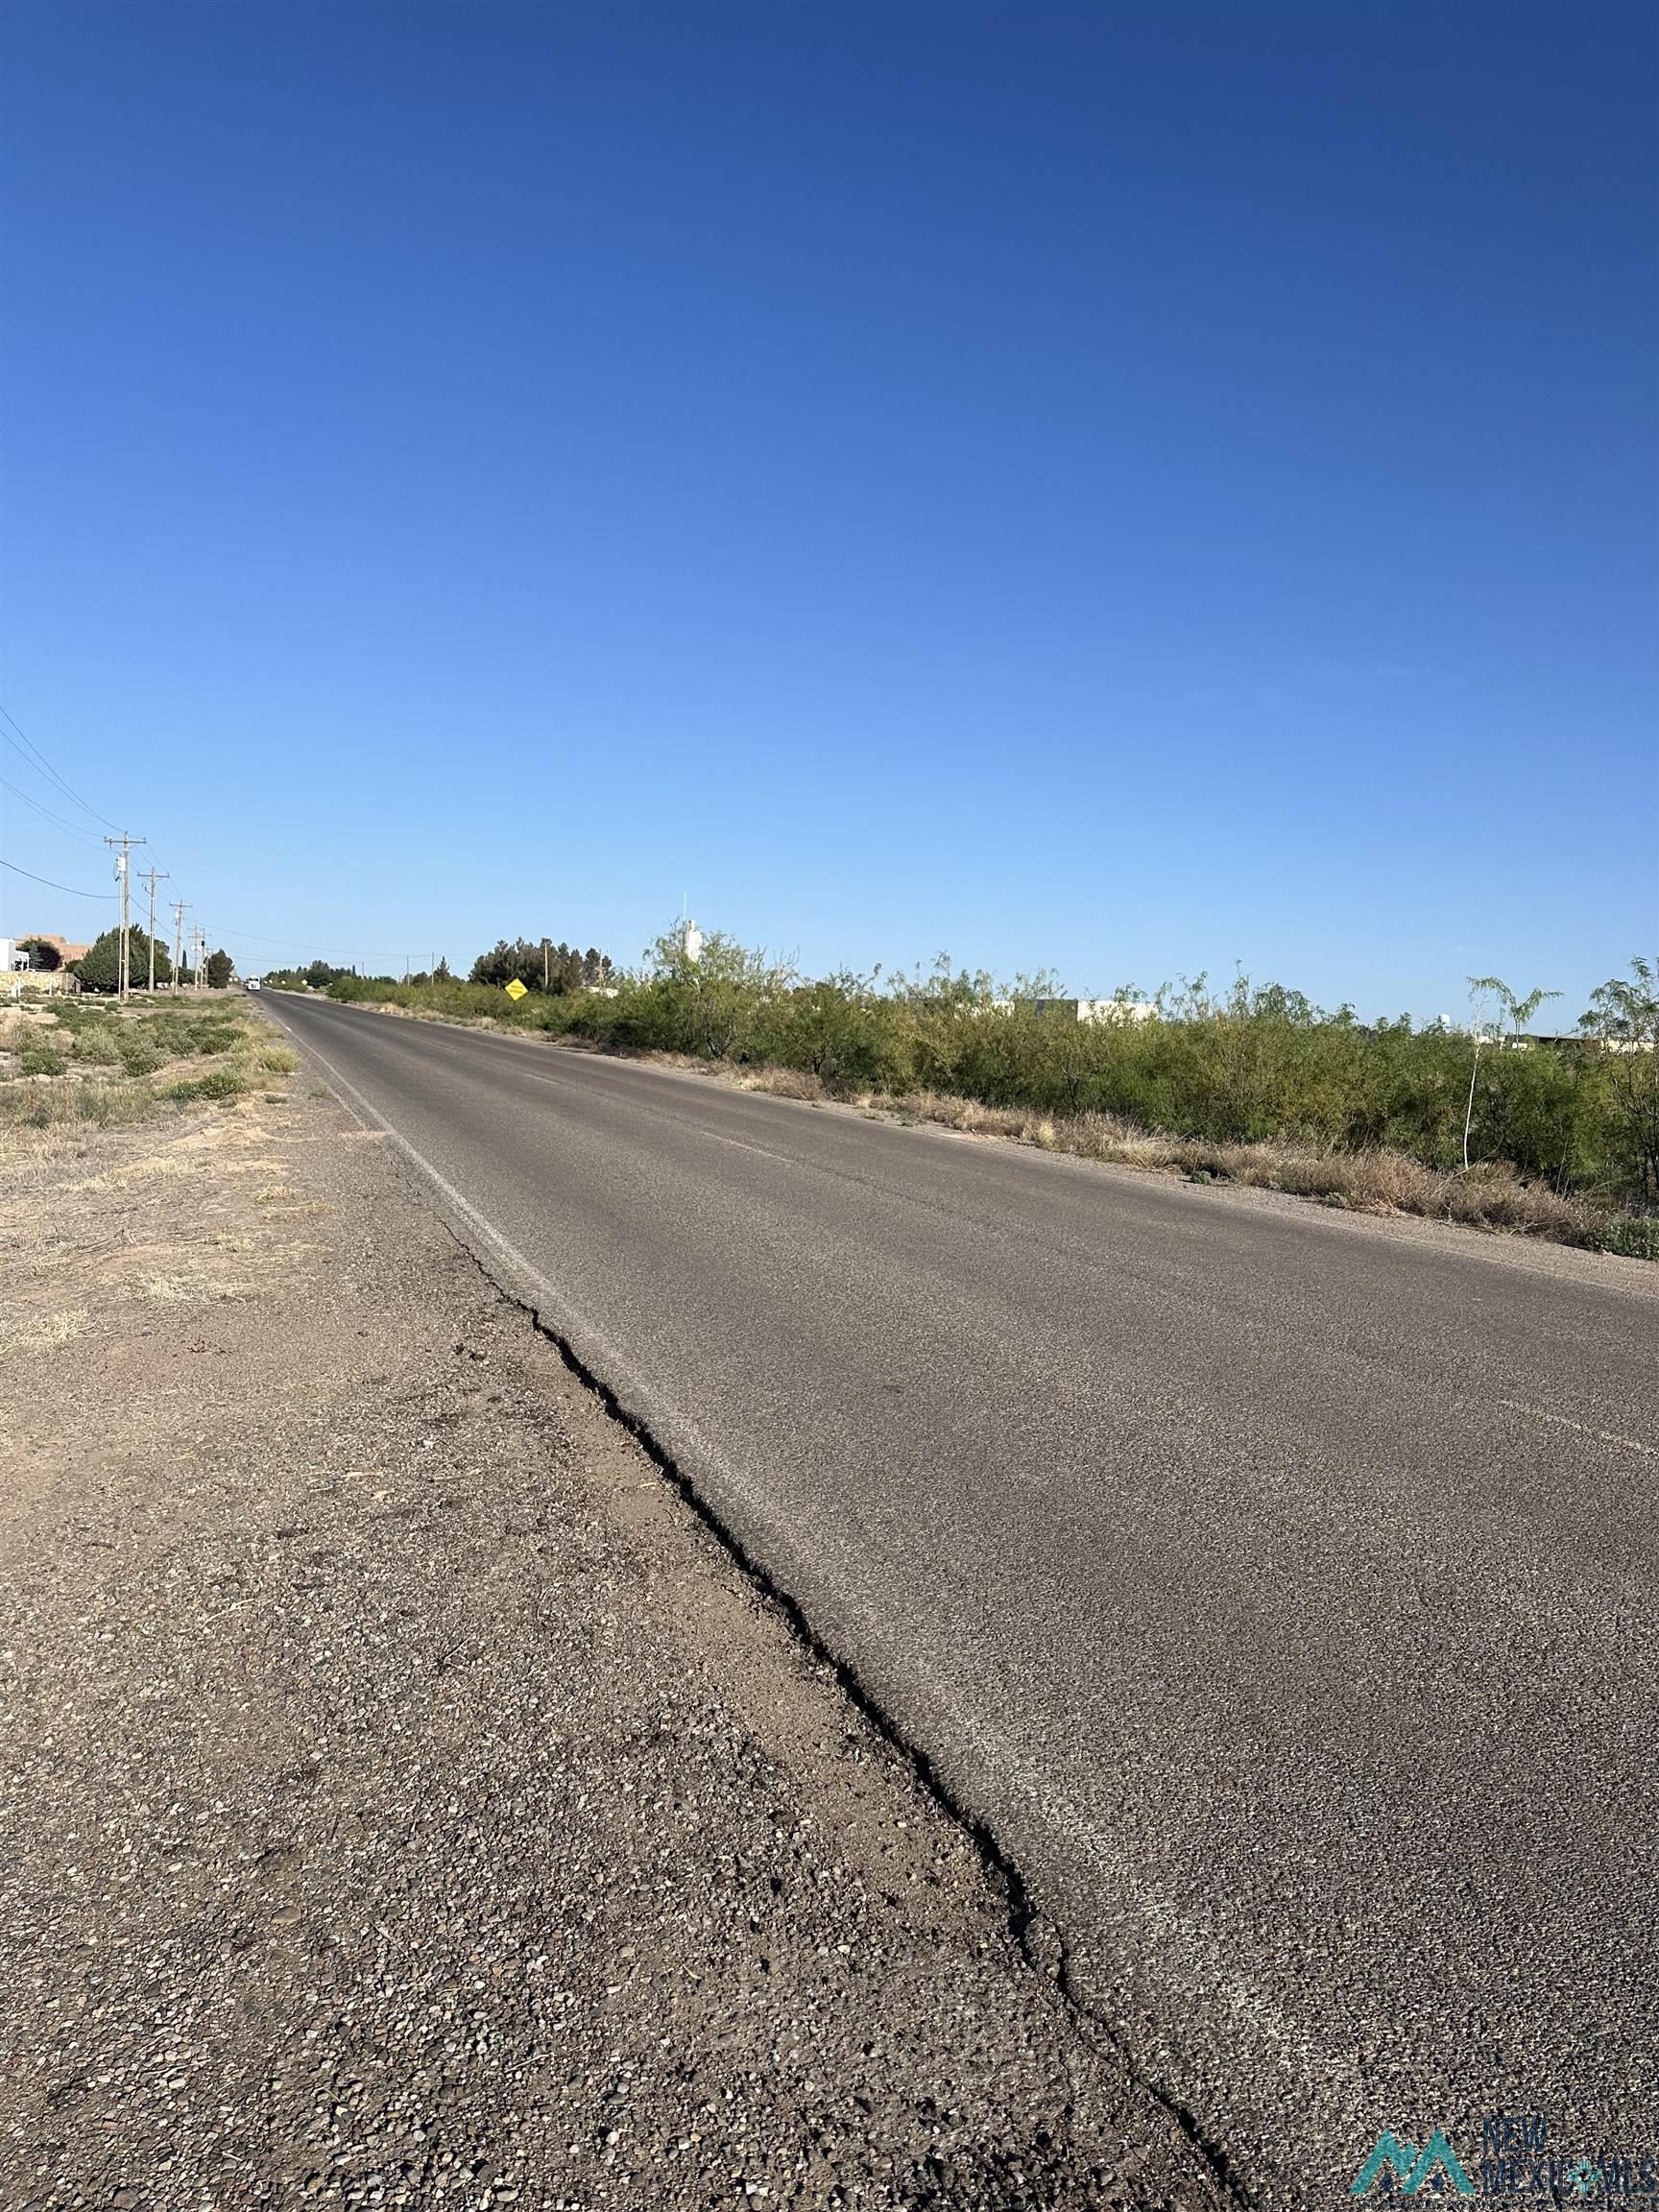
{"points": [[407, 1800]]}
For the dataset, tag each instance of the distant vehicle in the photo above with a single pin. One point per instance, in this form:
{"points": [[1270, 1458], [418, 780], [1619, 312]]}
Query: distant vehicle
{"points": [[252, 982]]}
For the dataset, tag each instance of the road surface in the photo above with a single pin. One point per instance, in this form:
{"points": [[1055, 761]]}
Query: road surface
{"points": [[1279, 1587]]}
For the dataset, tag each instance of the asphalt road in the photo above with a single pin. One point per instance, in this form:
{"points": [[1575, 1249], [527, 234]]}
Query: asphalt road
{"points": [[1278, 1586]]}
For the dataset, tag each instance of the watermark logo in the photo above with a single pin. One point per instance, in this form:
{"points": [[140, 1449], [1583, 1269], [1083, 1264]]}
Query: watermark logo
{"points": [[1412, 2169], [1520, 2164]]}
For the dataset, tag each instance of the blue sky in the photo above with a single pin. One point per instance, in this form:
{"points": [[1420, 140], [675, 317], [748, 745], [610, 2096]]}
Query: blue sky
{"points": [[1125, 488]]}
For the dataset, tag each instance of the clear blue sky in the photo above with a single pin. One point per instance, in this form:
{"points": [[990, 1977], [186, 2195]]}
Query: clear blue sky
{"points": [[1125, 488]]}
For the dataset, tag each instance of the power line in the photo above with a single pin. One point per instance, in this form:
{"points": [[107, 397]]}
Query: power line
{"points": [[70, 829], [51, 886], [32, 753], [292, 943], [24, 746]]}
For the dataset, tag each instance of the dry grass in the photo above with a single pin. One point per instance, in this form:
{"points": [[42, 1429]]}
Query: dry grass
{"points": [[45, 1119], [781, 1083], [1374, 1182], [47, 1116], [156, 1287], [44, 1332]]}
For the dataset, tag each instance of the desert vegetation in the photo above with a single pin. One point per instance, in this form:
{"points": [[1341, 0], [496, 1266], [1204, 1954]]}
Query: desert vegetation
{"points": [[83, 1063], [1249, 1082]]}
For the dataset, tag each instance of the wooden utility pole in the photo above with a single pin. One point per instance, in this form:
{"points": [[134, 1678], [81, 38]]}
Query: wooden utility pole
{"points": [[123, 868], [544, 966], [178, 943], [153, 876]]}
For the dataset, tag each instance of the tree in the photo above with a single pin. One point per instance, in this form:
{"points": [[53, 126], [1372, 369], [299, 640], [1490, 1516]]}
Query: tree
{"points": [[1520, 1012], [1622, 1017], [539, 964], [44, 958], [99, 967], [220, 970]]}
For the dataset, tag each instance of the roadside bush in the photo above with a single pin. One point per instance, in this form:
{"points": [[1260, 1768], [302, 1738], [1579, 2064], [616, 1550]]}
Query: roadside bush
{"points": [[171, 1034], [1636, 1237], [835, 1031], [95, 1043], [1622, 1019], [217, 1083], [35, 1056]]}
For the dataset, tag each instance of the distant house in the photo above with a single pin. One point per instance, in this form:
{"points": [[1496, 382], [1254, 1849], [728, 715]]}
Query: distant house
{"points": [[62, 946], [1103, 1010], [1575, 1039]]}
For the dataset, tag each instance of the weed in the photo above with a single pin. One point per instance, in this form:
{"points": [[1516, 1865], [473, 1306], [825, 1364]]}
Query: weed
{"points": [[1636, 1237], [217, 1083]]}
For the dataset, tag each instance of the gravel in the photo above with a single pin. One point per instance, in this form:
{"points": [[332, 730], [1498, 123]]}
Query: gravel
{"points": [[407, 1798]]}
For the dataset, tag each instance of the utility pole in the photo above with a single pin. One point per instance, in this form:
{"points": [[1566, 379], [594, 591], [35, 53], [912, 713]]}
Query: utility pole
{"points": [[200, 938], [544, 966], [178, 943], [123, 870], [153, 876]]}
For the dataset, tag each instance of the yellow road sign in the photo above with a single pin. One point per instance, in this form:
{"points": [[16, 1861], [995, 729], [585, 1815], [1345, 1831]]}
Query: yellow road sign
{"points": [[516, 989]]}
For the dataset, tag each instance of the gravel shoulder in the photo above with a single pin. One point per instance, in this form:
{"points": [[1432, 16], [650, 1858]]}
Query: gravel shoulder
{"points": [[407, 1798]]}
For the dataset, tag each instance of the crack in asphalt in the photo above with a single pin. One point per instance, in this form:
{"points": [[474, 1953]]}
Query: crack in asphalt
{"points": [[1040, 1942], [1031, 1929]]}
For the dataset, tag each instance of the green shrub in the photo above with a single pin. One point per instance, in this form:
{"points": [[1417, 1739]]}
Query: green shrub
{"points": [[138, 1056], [36, 1057], [170, 1034], [1623, 1022], [1636, 1235], [217, 1083], [95, 1043]]}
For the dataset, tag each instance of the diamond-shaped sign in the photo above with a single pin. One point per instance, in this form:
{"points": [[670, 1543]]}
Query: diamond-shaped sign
{"points": [[516, 989]]}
